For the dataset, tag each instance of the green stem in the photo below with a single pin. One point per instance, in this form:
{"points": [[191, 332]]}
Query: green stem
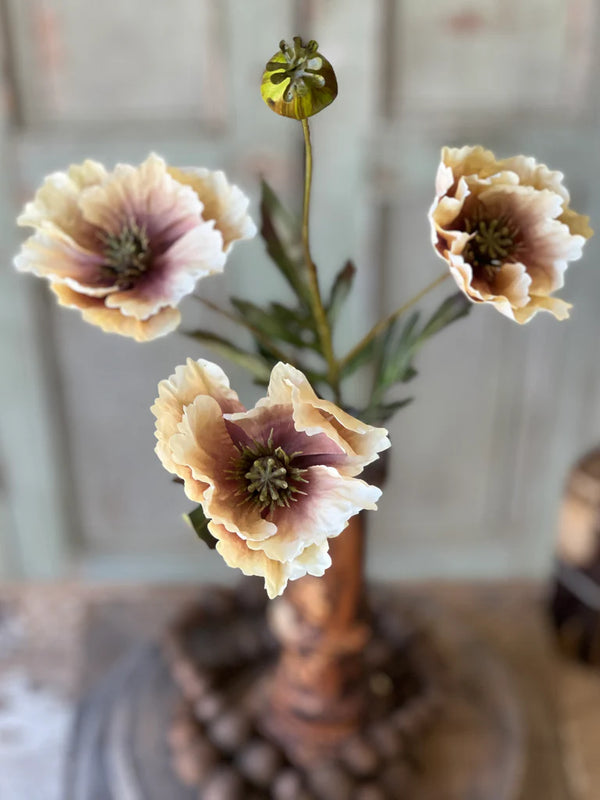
{"points": [[383, 324], [318, 309], [258, 334]]}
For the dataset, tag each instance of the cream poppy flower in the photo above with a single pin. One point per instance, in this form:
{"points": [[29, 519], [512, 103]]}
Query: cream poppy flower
{"points": [[275, 481], [124, 247], [506, 230]]}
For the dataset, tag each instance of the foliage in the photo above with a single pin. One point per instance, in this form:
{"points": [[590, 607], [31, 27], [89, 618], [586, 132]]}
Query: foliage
{"points": [[288, 331]]}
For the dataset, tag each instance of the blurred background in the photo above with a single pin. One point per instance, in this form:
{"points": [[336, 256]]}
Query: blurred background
{"points": [[500, 411]]}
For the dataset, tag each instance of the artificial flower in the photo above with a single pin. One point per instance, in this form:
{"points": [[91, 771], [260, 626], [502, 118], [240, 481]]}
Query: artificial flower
{"points": [[506, 230], [298, 81], [276, 481], [124, 247]]}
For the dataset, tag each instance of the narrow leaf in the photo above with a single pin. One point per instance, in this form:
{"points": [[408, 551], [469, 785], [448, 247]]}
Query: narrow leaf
{"points": [[269, 324], [387, 410], [282, 236], [249, 361], [340, 290], [453, 308], [198, 521], [384, 411], [396, 364], [366, 352]]}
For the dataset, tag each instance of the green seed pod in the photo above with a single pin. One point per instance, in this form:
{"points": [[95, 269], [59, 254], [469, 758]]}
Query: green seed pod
{"points": [[298, 82]]}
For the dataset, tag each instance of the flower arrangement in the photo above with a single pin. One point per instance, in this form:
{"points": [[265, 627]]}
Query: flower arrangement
{"points": [[277, 488], [274, 483]]}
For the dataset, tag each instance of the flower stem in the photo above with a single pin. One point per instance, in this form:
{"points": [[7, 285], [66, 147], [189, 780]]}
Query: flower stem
{"points": [[383, 324], [318, 310]]}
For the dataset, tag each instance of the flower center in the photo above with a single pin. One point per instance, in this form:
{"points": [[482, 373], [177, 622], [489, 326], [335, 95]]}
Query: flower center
{"points": [[266, 475], [127, 254], [301, 68], [493, 243]]}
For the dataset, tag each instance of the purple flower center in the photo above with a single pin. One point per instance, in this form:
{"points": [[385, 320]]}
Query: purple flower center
{"points": [[127, 255], [494, 242]]}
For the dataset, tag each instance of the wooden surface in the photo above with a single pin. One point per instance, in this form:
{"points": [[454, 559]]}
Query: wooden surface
{"points": [[56, 641]]}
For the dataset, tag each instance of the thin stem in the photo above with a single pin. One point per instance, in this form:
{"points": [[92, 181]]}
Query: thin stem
{"points": [[258, 334], [319, 314], [383, 324]]}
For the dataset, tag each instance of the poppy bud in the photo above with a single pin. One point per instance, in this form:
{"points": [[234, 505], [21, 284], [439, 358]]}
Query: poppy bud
{"points": [[298, 82]]}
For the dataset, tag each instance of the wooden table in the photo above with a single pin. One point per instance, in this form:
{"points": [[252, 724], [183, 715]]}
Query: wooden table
{"points": [[57, 640]]}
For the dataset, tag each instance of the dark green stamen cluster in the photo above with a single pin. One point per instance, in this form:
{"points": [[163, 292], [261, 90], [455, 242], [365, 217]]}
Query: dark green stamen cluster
{"points": [[495, 242], [127, 255], [266, 475]]}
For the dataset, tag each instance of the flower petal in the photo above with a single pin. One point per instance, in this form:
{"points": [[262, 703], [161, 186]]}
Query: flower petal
{"points": [[360, 442], [56, 202], [330, 500], [313, 560], [223, 202], [148, 195], [204, 446], [54, 255], [110, 320], [195, 378]]}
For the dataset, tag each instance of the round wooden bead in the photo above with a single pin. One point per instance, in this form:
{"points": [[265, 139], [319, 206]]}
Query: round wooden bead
{"points": [[259, 762], [330, 782], [223, 784], [194, 764], [386, 739], [359, 756], [193, 682], [229, 731], [209, 707], [182, 732], [287, 785]]}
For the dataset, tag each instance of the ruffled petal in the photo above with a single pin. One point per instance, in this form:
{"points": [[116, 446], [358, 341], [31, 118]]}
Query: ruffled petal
{"points": [[360, 442], [223, 202], [56, 202], [204, 446], [330, 500], [195, 378], [110, 320], [313, 560]]}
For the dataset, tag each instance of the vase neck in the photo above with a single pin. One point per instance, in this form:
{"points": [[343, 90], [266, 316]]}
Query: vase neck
{"points": [[317, 695]]}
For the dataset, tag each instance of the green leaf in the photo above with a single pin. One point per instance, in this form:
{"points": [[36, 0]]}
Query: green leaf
{"points": [[251, 362], [197, 520], [299, 323], [367, 352], [271, 325], [388, 409], [396, 363], [340, 291], [282, 235], [453, 308], [376, 415]]}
